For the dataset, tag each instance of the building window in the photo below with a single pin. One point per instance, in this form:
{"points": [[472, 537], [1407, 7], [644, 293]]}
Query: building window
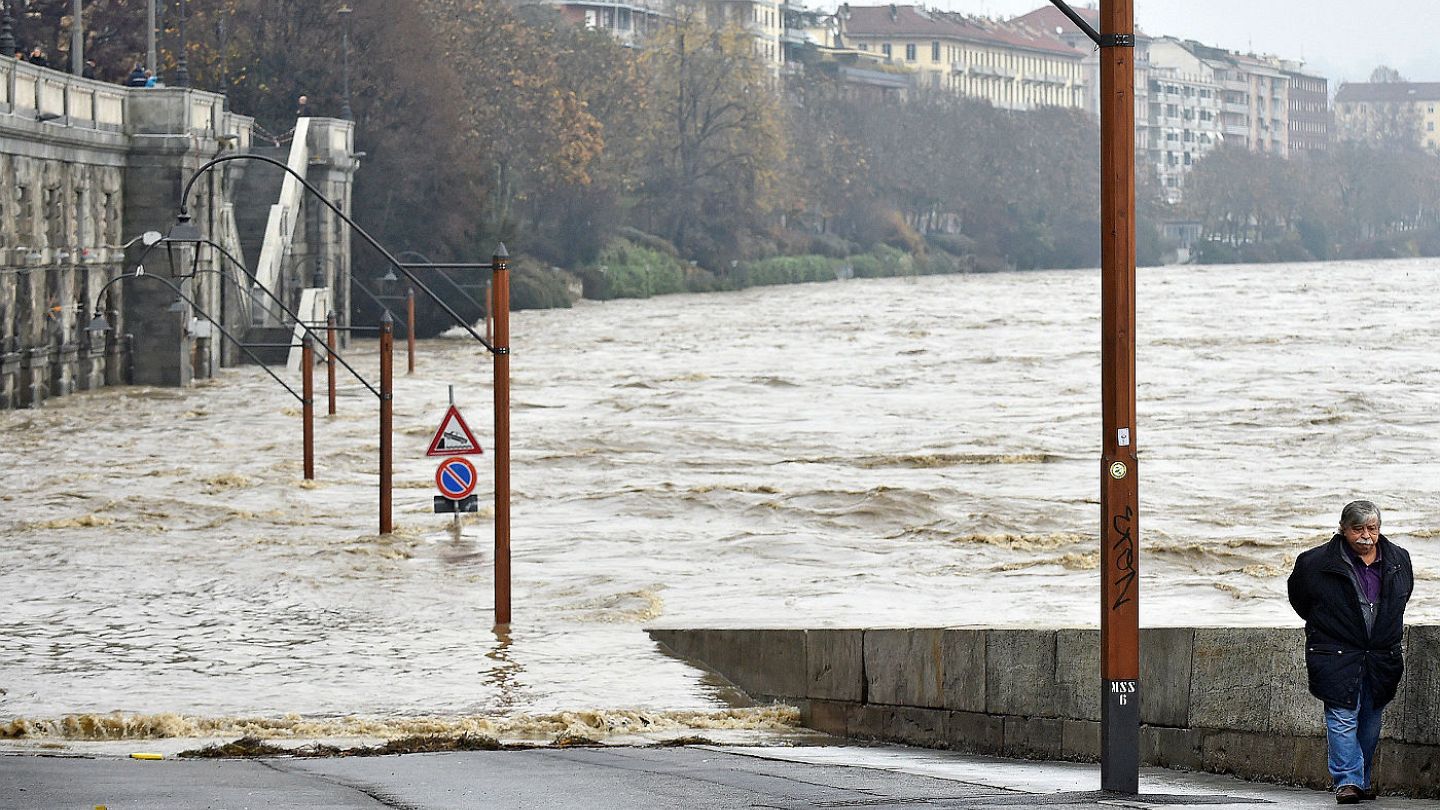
{"points": [[885, 50], [909, 52], [935, 55]]}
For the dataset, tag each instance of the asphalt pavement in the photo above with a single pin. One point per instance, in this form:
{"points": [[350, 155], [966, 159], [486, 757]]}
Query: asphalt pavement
{"points": [[617, 777]]}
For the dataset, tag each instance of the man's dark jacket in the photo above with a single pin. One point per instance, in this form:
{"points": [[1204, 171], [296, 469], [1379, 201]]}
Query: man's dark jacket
{"points": [[1340, 655]]}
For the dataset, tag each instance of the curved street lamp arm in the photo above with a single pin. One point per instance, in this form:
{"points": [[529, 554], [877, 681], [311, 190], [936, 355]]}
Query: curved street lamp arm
{"points": [[207, 317], [184, 209], [293, 316]]}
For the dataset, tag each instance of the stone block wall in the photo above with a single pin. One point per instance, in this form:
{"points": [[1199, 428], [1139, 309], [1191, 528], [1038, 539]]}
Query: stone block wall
{"points": [[1227, 700]]}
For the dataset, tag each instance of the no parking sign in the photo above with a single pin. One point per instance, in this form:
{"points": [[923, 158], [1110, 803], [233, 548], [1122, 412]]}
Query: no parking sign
{"points": [[455, 478]]}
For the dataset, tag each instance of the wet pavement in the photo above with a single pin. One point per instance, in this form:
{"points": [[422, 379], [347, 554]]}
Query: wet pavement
{"points": [[620, 777]]}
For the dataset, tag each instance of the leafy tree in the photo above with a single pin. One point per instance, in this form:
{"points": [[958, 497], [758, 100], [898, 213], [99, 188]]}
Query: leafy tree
{"points": [[717, 139]]}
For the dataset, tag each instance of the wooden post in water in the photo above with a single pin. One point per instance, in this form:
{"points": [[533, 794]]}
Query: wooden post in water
{"points": [[1119, 474], [410, 330], [500, 308], [307, 402], [387, 397], [330, 320]]}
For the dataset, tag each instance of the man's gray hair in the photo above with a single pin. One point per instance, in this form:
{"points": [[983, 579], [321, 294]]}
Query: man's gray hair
{"points": [[1358, 513]]}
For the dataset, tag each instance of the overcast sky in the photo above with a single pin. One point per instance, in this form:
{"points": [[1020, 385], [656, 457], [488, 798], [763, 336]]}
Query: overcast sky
{"points": [[1342, 40]]}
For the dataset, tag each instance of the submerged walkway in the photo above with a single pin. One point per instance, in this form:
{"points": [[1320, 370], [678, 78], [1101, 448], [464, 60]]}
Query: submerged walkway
{"points": [[600, 778]]}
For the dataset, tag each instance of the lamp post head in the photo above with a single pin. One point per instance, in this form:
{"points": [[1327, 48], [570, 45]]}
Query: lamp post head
{"points": [[184, 230], [389, 276], [501, 252], [98, 323]]}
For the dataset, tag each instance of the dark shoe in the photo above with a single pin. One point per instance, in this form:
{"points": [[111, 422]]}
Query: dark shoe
{"points": [[1369, 794], [1349, 794]]}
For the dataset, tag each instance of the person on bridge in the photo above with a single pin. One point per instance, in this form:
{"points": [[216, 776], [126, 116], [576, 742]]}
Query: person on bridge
{"points": [[1351, 592]]}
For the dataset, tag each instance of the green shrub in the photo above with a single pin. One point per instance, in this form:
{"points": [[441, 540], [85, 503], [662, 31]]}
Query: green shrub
{"points": [[938, 262], [627, 270], [789, 270], [535, 286]]}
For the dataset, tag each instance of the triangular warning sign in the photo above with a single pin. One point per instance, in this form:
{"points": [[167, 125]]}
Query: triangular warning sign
{"points": [[454, 437]]}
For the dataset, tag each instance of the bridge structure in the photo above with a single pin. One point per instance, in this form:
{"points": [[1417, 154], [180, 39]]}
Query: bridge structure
{"points": [[86, 167]]}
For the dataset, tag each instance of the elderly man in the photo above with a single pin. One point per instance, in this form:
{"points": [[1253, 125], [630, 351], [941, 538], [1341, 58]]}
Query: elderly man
{"points": [[1351, 592]]}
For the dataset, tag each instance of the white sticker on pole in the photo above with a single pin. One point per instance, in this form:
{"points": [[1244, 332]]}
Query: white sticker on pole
{"points": [[454, 437]]}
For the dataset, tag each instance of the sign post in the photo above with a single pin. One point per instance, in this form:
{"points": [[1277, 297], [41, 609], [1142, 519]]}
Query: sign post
{"points": [[456, 476]]}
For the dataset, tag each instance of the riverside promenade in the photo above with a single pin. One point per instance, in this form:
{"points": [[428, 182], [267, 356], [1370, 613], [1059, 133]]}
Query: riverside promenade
{"points": [[615, 777]]}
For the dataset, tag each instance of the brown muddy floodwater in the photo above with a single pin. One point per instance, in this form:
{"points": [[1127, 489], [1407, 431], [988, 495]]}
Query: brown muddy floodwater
{"points": [[887, 452]]}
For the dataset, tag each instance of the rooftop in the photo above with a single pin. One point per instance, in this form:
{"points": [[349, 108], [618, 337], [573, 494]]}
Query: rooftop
{"points": [[913, 21], [1388, 92]]}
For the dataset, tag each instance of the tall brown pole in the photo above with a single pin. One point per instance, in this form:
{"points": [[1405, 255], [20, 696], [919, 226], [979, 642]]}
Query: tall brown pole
{"points": [[410, 330], [500, 307], [1119, 474], [387, 397], [330, 357], [307, 406]]}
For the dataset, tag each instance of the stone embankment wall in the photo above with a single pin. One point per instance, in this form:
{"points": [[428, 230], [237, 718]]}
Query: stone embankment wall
{"points": [[1227, 700]]}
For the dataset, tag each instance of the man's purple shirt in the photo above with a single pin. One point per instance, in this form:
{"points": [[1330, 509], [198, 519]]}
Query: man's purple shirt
{"points": [[1369, 575]]}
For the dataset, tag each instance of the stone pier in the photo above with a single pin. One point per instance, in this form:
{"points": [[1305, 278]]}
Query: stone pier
{"points": [[1227, 700]]}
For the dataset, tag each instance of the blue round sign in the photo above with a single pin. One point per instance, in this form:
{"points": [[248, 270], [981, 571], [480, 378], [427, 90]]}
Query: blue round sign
{"points": [[455, 478]]}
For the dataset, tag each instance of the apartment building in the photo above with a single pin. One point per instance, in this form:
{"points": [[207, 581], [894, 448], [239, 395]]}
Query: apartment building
{"points": [[1379, 111], [1310, 122], [1183, 118], [629, 22], [1013, 66]]}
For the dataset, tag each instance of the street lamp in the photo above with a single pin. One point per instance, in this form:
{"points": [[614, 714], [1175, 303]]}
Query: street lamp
{"points": [[100, 324], [182, 63], [77, 38], [499, 349], [7, 31], [294, 317], [345, 12]]}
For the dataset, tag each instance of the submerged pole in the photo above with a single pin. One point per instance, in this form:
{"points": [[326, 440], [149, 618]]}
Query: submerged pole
{"points": [[500, 308], [307, 400], [330, 319], [1119, 474], [387, 397]]}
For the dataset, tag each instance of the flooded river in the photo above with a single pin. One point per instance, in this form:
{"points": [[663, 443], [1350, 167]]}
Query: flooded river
{"points": [[869, 452]]}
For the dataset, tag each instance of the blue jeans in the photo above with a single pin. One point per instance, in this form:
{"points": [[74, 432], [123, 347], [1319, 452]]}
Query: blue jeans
{"points": [[1352, 735]]}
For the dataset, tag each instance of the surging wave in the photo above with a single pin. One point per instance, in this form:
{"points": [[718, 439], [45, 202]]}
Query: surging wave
{"points": [[594, 724]]}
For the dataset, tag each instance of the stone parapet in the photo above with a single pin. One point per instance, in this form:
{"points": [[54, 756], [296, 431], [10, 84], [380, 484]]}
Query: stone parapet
{"points": [[1226, 700]]}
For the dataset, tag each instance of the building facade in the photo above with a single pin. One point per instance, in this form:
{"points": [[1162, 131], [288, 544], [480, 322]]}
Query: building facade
{"points": [[1183, 117], [1011, 65], [1309, 111], [1389, 110]]}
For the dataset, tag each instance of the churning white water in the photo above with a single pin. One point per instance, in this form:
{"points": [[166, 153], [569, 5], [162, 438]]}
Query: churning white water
{"points": [[884, 452]]}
